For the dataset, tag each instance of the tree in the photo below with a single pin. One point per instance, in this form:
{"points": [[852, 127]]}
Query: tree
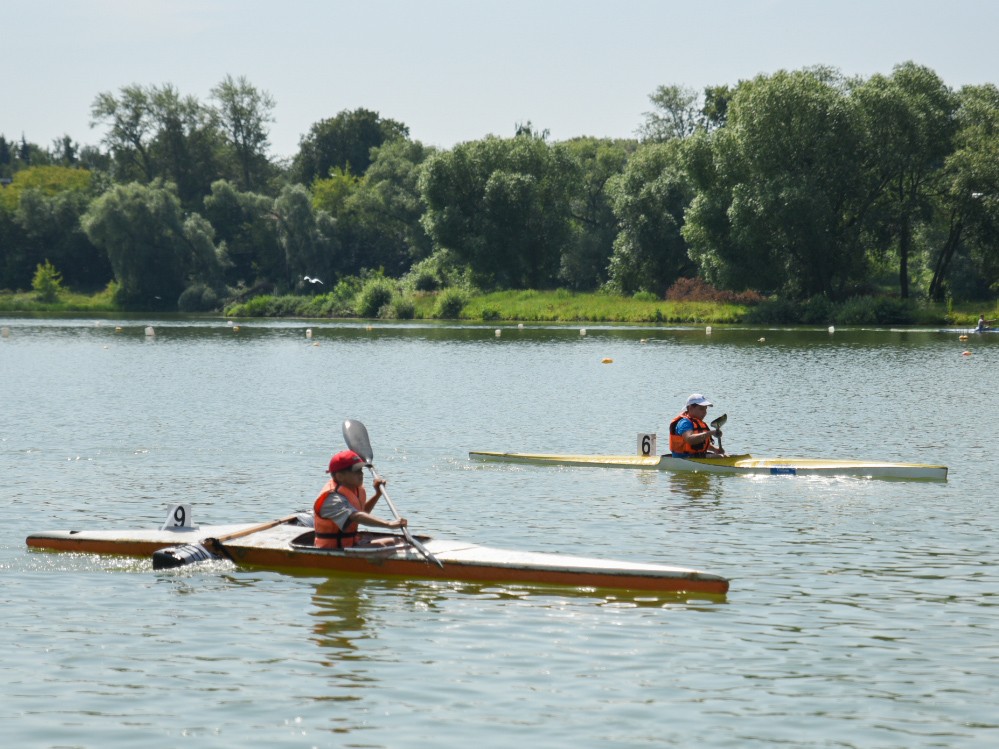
{"points": [[47, 282], [246, 228], [186, 143], [244, 112], [677, 113], [154, 250], [131, 124], [909, 126], [344, 142], [584, 263], [969, 198], [44, 205], [650, 198], [502, 206], [306, 235], [779, 190]]}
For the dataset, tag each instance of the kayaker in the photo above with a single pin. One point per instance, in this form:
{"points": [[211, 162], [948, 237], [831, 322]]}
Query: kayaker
{"points": [[983, 324], [342, 505], [689, 435]]}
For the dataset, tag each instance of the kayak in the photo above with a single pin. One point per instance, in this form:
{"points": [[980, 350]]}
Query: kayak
{"points": [[288, 544], [740, 464], [968, 331]]}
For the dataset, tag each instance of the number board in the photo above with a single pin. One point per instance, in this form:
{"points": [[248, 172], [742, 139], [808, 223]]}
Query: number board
{"points": [[646, 444]]}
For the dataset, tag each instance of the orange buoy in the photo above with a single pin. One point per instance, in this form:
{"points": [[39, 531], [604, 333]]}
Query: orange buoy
{"points": [[966, 353], [607, 360]]}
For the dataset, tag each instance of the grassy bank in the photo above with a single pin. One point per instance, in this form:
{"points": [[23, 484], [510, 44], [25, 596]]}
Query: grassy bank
{"points": [[557, 306]]}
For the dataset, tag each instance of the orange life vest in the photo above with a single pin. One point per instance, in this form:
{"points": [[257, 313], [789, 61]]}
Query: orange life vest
{"points": [[677, 444], [329, 535]]}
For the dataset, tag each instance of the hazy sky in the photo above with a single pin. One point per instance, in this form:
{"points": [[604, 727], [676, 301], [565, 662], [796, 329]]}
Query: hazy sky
{"points": [[459, 70]]}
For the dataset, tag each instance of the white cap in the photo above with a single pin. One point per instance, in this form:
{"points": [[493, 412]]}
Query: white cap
{"points": [[696, 399]]}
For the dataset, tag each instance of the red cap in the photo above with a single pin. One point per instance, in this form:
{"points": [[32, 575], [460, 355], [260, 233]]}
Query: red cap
{"points": [[347, 460]]}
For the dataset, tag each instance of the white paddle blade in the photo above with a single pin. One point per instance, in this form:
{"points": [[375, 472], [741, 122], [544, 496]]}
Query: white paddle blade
{"points": [[356, 437]]}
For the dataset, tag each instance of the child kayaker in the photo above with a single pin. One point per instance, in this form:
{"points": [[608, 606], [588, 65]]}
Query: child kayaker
{"points": [[689, 436], [343, 505]]}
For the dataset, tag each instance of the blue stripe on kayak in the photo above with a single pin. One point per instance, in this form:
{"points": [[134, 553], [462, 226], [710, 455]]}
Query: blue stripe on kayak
{"points": [[784, 471]]}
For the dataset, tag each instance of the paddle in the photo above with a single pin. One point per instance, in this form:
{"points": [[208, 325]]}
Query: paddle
{"points": [[356, 437], [179, 556], [717, 424]]}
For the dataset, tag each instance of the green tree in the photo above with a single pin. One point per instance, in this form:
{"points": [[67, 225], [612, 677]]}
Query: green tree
{"points": [[42, 207], [584, 263], [502, 206], [650, 198], [154, 250], [131, 126], [780, 192], [909, 126], [186, 143], [47, 282], [677, 113], [968, 207], [344, 142], [307, 236], [247, 231], [244, 112]]}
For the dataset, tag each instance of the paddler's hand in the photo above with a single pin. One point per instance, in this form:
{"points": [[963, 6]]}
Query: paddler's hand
{"points": [[400, 523], [379, 483]]}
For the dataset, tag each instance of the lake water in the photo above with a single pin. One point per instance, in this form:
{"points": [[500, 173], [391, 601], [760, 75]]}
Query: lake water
{"points": [[862, 613]]}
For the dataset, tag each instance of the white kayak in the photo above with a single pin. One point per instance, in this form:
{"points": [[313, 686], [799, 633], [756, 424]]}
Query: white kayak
{"points": [[739, 464]]}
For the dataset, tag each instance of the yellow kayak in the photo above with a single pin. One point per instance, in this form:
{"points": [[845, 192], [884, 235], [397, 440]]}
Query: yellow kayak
{"points": [[745, 464]]}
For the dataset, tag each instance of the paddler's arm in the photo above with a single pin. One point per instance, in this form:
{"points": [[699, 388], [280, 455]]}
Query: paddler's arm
{"points": [[370, 504], [364, 518]]}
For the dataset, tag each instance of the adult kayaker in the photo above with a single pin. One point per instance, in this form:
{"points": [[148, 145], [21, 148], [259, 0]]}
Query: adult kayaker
{"points": [[689, 435], [983, 324], [343, 505]]}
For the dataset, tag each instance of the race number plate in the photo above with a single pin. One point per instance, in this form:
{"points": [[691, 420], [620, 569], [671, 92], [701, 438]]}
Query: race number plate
{"points": [[179, 517], [647, 445]]}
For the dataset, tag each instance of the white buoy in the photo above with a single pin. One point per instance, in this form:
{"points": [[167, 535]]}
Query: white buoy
{"points": [[763, 340], [520, 326], [117, 328], [5, 332], [832, 328], [498, 332], [708, 330], [150, 331], [582, 331], [229, 323], [308, 332]]}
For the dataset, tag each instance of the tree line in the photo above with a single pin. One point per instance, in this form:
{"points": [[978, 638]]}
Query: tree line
{"points": [[799, 184]]}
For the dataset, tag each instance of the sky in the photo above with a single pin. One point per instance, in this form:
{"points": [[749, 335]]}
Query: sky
{"points": [[459, 70]]}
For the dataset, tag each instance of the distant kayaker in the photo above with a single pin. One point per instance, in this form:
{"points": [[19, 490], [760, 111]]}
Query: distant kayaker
{"points": [[983, 324], [342, 505], [689, 435]]}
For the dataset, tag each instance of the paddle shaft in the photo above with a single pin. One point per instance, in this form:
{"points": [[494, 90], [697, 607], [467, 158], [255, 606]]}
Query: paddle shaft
{"points": [[256, 528], [405, 530]]}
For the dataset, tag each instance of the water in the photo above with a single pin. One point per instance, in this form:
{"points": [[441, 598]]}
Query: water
{"points": [[861, 614]]}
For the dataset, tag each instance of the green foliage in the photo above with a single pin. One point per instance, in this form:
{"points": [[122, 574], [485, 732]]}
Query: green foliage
{"points": [[47, 282], [344, 142], [198, 297], [402, 308], [502, 206], [450, 303], [155, 251], [644, 296], [376, 294], [650, 199]]}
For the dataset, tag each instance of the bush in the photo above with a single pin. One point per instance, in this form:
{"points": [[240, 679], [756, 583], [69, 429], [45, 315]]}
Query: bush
{"points": [[198, 298], [696, 290], [450, 303], [875, 311], [645, 296], [47, 283], [402, 309], [376, 294]]}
